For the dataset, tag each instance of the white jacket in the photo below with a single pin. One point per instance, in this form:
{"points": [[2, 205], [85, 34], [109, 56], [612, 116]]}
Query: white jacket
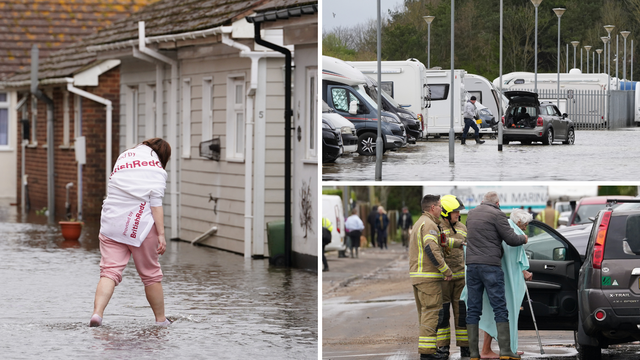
{"points": [[137, 182]]}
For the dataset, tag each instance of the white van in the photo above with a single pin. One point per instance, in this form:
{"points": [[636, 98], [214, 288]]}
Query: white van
{"points": [[332, 210]]}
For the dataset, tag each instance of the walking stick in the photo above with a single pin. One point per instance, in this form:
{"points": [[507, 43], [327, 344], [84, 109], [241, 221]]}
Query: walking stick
{"points": [[534, 319]]}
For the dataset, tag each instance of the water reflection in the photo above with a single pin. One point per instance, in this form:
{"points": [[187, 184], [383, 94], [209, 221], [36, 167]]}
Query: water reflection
{"points": [[224, 306]]}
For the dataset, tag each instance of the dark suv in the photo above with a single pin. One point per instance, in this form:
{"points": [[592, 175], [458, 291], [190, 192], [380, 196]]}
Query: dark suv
{"points": [[609, 281], [527, 120]]}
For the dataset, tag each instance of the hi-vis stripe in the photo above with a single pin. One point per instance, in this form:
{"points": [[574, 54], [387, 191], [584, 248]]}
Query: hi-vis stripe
{"points": [[427, 342], [443, 269], [458, 275], [420, 248], [444, 334], [463, 233], [461, 335], [421, 244]]}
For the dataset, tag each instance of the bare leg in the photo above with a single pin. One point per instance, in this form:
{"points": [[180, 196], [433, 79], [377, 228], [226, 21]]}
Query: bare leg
{"points": [[103, 295], [486, 352], [155, 296]]}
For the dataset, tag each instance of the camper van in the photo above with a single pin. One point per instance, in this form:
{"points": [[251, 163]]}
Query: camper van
{"points": [[343, 89], [404, 81]]}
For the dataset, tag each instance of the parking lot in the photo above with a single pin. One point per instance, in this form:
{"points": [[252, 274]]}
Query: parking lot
{"points": [[596, 155]]}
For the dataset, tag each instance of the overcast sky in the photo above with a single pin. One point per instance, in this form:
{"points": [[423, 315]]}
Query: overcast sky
{"points": [[351, 12]]}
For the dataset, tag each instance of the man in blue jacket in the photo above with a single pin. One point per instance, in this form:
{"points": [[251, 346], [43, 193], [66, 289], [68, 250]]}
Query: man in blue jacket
{"points": [[487, 227]]}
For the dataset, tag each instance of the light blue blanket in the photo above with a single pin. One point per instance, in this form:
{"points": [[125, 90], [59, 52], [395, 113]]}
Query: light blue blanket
{"points": [[514, 261]]}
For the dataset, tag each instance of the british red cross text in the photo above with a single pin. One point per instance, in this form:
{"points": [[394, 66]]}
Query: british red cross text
{"points": [[134, 229]]}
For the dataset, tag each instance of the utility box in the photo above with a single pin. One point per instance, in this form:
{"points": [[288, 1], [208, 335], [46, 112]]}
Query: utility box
{"points": [[275, 242]]}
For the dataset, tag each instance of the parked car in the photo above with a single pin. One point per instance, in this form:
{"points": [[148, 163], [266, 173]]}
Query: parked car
{"points": [[527, 120], [347, 129], [408, 118], [588, 207], [608, 282], [331, 142]]}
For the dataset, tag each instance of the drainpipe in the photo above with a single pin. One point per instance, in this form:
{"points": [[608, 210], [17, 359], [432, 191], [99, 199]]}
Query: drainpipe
{"points": [[109, 105], [287, 137], [173, 118], [50, 170], [255, 57]]}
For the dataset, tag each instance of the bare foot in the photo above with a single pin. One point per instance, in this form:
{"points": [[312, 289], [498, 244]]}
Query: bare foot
{"points": [[489, 355]]}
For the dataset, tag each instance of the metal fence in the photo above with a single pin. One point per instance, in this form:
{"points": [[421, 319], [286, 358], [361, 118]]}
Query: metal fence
{"points": [[588, 108]]}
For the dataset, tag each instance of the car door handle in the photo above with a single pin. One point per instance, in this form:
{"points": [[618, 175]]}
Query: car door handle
{"points": [[549, 267]]}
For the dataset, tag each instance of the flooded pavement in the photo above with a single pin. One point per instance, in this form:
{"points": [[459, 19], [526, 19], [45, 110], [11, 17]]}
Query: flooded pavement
{"points": [[224, 307], [596, 155], [369, 312]]}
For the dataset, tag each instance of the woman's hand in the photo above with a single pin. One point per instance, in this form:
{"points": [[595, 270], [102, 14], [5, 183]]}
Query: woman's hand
{"points": [[527, 275], [162, 244]]}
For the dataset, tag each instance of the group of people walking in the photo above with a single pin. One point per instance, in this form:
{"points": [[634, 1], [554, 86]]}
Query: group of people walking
{"points": [[465, 267]]}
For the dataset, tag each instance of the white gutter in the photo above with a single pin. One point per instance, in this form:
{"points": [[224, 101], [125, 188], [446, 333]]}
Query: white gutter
{"points": [[109, 105], [173, 117], [255, 56], [191, 35]]}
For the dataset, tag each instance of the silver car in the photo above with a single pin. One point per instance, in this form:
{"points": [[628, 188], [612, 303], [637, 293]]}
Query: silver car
{"points": [[527, 120]]}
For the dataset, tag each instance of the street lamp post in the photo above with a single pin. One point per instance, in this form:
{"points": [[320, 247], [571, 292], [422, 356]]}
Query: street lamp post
{"points": [[587, 47], [609, 28], [599, 51], [631, 78], [575, 44], [379, 141], [559, 12], [452, 134], [624, 60], [536, 3], [428, 19], [604, 63], [500, 131]]}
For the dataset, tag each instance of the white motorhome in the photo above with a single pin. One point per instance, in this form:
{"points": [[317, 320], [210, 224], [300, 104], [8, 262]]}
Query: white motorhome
{"points": [[405, 81]]}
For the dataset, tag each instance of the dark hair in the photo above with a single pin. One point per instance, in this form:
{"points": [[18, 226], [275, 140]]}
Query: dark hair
{"points": [[161, 148], [429, 200], [473, 98]]}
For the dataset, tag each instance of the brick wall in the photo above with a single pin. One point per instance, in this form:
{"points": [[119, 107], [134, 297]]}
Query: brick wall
{"points": [[65, 165]]}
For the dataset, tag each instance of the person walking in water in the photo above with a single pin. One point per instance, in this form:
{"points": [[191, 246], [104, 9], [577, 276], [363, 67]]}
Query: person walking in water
{"points": [[131, 224]]}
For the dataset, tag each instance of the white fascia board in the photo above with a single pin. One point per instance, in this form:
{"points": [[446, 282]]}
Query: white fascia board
{"points": [[242, 29], [89, 77]]}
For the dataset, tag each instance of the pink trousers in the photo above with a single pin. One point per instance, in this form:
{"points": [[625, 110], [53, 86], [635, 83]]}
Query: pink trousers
{"points": [[115, 257]]}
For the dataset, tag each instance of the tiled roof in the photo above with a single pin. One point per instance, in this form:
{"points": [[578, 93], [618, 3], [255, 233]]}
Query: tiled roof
{"points": [[283, 4], [283, 9], [52, 24], [161, 18]]}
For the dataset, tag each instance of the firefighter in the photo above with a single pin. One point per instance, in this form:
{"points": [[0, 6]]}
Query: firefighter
{"points": [[549, 215], [454, 235], [427, 270]]}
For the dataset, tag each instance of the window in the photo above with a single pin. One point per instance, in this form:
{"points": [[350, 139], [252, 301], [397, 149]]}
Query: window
{"points": [[186, 118], [207, 115], [439, 91], [311, 100], [149, 111], [132, 116], [342, 99], [235, 118], [477, 94], [387, 86], [65, 119], [4, 121]]}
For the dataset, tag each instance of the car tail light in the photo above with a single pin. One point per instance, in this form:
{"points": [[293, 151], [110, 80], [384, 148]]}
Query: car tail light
{"points": [[540, 121], [503, 120], [600, 315], [598, 248]]}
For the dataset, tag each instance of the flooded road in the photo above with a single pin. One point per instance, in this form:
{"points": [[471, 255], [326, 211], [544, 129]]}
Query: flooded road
{"points": [[596, 155], [223, 306]]}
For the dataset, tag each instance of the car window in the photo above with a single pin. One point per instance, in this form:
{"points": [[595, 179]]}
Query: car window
{"points": [[549, 110], [342, 98], [544, 244], [623, 237], [584, 212], [555, 110]]}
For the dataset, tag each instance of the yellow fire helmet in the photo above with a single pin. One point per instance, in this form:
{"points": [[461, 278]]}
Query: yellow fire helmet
{"points": [[450, 203]]}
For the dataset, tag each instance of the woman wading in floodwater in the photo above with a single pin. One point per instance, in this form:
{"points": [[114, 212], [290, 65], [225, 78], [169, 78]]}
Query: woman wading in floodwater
{"points": [[131, 224]]}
